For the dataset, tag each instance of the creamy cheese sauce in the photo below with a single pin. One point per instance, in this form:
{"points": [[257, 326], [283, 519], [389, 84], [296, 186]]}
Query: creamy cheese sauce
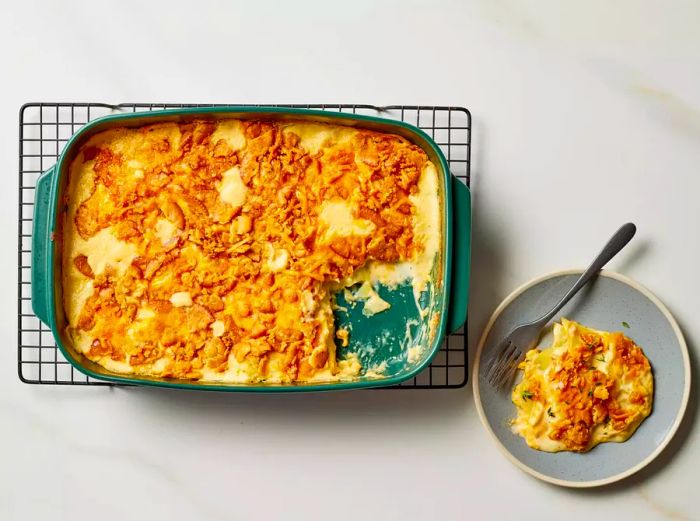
{"points": [[102, 250], [426, 227], [231, 131], [276, 259], [373, 303], [165, 230], [337, 216], [313, 137], [233, 191]]}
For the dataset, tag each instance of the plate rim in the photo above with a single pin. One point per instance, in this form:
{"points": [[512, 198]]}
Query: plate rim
{"points": [[621, 475]]}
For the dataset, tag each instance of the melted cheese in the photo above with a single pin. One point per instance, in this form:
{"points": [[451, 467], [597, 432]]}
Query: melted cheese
{"points": [[426, 227], [181, 299], [231, 132], [276, 259], [144, 314], [589, 387], [233, 190], [373, 303], [104, 250], [165, 230], [339, 221], [348, 369], [377, 371], [315, 138], [80, 291], [218, 328]]}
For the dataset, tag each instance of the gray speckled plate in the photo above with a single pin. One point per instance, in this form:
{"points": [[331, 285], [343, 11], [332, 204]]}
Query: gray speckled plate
{"points": [[604, 304]]}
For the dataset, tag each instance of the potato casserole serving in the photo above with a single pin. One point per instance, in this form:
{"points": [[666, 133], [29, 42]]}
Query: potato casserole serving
{"points": [[211, 250]]}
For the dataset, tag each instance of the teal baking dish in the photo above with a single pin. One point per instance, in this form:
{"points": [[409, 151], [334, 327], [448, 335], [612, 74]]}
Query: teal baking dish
{"points": [[396, 339]]}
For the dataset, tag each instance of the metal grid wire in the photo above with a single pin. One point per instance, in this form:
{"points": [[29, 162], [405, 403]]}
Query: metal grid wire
{"points": [[44, 129]]}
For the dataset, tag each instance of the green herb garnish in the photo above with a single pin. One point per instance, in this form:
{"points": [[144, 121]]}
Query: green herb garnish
{"points": [[550, 413], [591, 342], [625, 324], [526, 395], [590, 393], [601, 358]]}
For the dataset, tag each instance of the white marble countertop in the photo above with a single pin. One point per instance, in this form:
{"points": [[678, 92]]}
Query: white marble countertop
{"points": [[585, 116]]}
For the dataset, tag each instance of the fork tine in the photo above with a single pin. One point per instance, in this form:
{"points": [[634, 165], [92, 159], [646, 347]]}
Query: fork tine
{"points": [[507, 377], [510, 367], [508, 363], [502, 368], [497, 364], [505, 364], [494, 363]]}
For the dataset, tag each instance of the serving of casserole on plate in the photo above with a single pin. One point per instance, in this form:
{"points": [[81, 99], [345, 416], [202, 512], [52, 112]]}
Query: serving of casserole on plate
{"points": [[593, 405], [248, 250], [587, 388]]}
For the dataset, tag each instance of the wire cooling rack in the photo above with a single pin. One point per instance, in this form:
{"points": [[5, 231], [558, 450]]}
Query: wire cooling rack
{"points": [[44, 129]]}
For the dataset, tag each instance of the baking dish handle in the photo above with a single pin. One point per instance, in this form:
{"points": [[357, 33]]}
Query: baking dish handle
{"points": [[461, 251], [42, 242]]}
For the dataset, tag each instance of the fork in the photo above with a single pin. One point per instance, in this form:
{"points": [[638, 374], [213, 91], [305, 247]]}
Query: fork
{"points": [[524, 337]]}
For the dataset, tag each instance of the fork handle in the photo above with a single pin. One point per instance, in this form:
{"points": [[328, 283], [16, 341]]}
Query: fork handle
{"points": [[618, 241]]}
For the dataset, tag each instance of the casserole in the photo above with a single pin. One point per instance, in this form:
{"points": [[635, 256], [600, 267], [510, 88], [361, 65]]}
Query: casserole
{"points": [[395, 340]]}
